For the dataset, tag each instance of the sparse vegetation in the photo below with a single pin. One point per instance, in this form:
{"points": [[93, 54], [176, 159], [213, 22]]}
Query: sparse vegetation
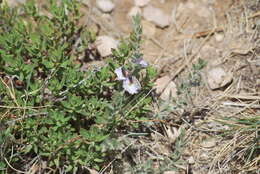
{"points": [[60, 112], [52, 113]]}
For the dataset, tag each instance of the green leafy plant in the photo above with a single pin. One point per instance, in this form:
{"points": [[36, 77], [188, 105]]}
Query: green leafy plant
{"points": [[193, 80], [164, 162], [51, 111]]}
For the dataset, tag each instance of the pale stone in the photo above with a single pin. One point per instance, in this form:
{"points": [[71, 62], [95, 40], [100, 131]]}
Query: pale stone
{"points": [[170, 91], [191, 160], [141, 3], [166, 88], [218, 77], [219, 37], [170, 172], [105, 6], [105, 44], [209, 143], [161, 83], [156, 16], [13, 3]]}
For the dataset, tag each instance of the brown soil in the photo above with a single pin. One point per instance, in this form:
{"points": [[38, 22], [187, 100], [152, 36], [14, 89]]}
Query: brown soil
{"points": [[221, 32]]}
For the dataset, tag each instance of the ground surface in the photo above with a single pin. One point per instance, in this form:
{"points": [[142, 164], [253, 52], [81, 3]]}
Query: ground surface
{"points": [[223, 33]]}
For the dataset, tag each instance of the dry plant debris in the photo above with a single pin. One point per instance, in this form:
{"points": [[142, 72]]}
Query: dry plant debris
{"points": [[221, 119]]}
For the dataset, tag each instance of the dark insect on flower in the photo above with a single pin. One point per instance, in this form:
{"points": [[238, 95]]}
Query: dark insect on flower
{"points": [[121, 74], [131, 85]]}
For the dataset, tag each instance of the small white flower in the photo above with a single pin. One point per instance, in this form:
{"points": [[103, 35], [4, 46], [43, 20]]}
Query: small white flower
{"points": [[131, 85], [141, 62], [121, 74]]}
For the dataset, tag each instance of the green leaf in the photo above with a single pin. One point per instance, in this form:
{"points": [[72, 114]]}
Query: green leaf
{"points": [[35, 38], [48, 64], [98, 160], [46, 28]]}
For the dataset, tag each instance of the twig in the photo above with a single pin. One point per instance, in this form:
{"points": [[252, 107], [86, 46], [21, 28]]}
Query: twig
{"points": [[155, 120], [138, 102], [26, 116], [244, 108], [80, 82], [254, 15], [105, 168], [20, 107], [198, 34], [241, 105], [249, 97], [12, 93], [19, 171]]}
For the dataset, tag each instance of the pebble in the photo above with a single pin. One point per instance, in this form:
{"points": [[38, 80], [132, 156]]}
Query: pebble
{"points": [[170, 172], [219, 37], [105, 44], [191, 160], [13, 3], [134, 11], [156, 16], [85, 2], [209, 143], [257, 22], [218, 77], [141, 3], [167, 90], [106, 6]]}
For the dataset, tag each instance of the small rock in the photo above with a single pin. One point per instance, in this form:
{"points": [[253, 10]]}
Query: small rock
{"points": [[166, 90], [148, 28], [191, 160], [219, 37], [141, 3], [170, 172], [105, 6], [134, 11], [92, 171], [105, 44], [257, 22], [13, 3], [156, 16], [204, 156], [172, 133], [218, 77], [209, 143], [170, 91], [85, 2]]}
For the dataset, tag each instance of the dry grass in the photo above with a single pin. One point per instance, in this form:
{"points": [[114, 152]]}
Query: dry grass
{"points": [[221, 127], [227, 140]]}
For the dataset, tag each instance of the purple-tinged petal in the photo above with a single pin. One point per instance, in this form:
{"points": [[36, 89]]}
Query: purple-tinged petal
{"points": [[131, 85], [141, 62], [120, 73]]}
